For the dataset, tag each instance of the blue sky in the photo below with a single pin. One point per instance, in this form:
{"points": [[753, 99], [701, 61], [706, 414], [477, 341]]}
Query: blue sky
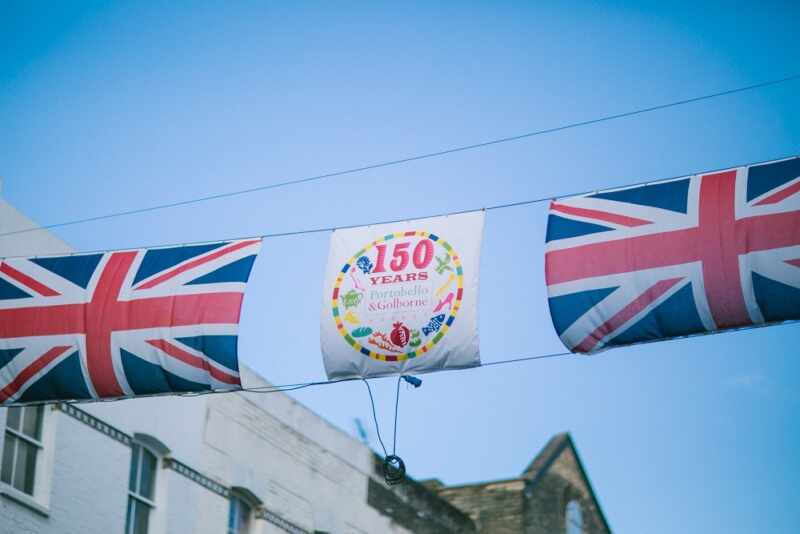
{"points": [[111, 106]]}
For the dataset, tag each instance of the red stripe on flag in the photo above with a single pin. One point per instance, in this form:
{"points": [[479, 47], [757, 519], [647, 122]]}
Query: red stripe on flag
{"points": [[195, 263], [26, 280], [764, 232], [194, 361], [22, 378], [717, 235], [599, 215], [796, 262], [626, 313], [780, 195]]}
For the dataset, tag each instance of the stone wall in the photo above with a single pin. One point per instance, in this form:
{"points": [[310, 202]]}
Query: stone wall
{"points": [[534, 503], [416, 507], [495, 507], [549, 491]]}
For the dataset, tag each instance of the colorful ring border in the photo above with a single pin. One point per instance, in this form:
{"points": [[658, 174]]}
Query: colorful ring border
{"points": [[445, 327]]}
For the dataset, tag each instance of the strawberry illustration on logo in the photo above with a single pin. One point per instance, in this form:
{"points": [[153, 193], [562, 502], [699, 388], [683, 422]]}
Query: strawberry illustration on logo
{"points": [[400, 334]]}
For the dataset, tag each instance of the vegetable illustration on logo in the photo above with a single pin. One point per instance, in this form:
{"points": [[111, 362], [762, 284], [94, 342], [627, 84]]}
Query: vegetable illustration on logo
{"points": [[442, 264], [415, 340], [400, 334], [352, 299]]}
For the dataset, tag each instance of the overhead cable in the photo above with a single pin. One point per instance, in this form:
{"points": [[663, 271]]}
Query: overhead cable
{"points": [[409, 159], [323, 229]]}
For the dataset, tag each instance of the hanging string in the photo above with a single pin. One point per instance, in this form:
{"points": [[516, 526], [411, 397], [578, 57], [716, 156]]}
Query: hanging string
{"points": [[375, 417], [396, 406], [394, 468]]}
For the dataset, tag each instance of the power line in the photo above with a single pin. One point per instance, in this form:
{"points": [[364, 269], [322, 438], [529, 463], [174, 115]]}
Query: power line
{"points": [[409, 159], [290, 387], [284, 387], [322, 229], [302, 385]]}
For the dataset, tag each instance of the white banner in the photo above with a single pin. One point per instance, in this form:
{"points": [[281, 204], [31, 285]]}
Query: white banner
{"points": [[402, 298]]}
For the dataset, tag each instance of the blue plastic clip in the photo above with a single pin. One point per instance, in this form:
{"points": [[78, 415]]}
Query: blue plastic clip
{"points": [[413, 380]]}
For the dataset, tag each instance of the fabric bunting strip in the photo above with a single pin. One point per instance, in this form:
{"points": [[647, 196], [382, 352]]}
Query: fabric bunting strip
{"points": [[689, 256], [122, 323], [402, 298]]}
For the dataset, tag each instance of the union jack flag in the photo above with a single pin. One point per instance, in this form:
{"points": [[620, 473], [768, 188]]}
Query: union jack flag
{"points": [[686, 256], [122, 323]]}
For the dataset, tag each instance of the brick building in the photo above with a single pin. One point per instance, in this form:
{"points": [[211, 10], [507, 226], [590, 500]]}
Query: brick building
{"points": [[242, 463]]}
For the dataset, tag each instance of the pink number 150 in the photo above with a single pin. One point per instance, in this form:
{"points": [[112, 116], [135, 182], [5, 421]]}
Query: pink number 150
{"points": [[422, 256]]}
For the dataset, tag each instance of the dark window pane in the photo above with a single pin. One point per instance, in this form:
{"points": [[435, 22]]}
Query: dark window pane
{"points": [[244, 518], [129, 516], [32, 421], [232, 514], [13, 418], [142, 518], [132, 479], [148, 474], [238, 517], [8, 458], [25, 467]]}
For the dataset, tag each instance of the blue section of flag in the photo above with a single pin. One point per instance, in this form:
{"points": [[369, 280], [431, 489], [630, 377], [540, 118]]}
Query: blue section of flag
{"points": [[169, 337], [561, 228], [144, 378], [6, 355], [221, 349], [76, 269], [686, 240], [676, 316], [238, 271], [10, 291], [777, 301], [567, 309], [673, 196], [158, 259], [763, 178], [65, 380]]}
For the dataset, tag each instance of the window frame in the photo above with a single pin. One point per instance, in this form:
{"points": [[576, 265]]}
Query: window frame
{"points": [[234, 515], [39, 501], [36, 443], [571, 526], [137, 451], [253, 503]]}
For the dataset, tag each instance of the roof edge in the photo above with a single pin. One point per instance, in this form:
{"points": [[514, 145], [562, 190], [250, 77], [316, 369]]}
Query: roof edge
{"points": [[557, 445]]}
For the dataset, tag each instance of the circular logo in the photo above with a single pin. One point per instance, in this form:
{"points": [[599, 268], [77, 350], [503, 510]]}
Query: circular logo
{"points": [[398, 296]]}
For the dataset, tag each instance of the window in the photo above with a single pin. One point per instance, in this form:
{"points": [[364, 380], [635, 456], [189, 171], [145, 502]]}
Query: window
{"points": [[141, 490], [239, 516], [574, 517], [23, 442]]}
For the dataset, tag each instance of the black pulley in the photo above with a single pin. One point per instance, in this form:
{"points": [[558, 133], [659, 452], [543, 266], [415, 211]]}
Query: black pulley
{"points": [[394, 470]]}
